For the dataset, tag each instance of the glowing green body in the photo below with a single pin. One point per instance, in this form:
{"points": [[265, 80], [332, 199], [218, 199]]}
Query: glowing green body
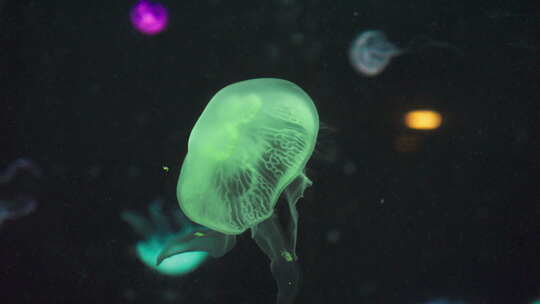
{"points": [[248, 147], [252, 140]]}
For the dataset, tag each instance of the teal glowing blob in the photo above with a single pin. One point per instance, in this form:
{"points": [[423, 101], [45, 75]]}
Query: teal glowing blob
{"points": [[249, 147], [181, 264], [157, 231]]}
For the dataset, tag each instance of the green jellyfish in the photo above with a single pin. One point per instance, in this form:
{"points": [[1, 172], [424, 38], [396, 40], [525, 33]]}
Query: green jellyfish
{"points": [[249, 146]]}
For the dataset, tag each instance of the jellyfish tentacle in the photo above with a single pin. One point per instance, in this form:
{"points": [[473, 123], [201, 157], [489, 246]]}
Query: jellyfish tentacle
{"points": [[288, 277], [139, 223], [293, 192], [158, 217], [283, 260]]}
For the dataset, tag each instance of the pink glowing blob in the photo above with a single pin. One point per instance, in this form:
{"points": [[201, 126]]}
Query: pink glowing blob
{"points": [[149, 18]]}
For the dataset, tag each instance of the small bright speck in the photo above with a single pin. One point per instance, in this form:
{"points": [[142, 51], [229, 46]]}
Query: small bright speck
{"points": [[287, 256]]}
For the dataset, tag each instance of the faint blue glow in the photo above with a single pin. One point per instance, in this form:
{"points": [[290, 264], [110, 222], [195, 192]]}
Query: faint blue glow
{"points": [[21, 204], [371, 52]]}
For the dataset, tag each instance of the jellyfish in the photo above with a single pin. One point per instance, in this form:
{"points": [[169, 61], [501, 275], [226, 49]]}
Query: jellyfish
{"points": [[20, 204], [249, 147], [18, 166], [371, 52], [149, 18], [157, 230], [15, 208]]}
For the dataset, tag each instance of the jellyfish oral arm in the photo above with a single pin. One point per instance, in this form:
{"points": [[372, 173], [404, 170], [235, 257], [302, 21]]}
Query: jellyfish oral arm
{"points": [[216, 244], [280, 246], [285, 269]]}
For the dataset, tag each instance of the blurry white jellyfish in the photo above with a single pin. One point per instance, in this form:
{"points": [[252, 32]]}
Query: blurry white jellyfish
{"points": [[371, 52]]}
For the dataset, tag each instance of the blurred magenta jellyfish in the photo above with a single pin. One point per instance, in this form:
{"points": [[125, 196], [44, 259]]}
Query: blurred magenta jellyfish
{"points": [[148, 17]]}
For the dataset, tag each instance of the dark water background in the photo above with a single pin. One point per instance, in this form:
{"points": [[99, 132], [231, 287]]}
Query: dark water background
{"points": [[102, 108]]}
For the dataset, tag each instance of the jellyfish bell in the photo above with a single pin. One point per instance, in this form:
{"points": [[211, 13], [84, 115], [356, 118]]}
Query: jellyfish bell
{"points": [[371, 52], [252, 140], [249, 147]]}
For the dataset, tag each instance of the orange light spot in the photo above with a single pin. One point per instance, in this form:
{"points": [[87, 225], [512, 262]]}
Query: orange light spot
{"points": [[423, 119]]}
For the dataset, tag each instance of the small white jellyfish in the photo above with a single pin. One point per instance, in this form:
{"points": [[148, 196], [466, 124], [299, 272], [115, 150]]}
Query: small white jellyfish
{"points": [[371, 52]]}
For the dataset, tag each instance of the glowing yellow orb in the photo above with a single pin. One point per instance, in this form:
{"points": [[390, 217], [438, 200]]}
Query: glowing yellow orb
{"points": [[423, 119]]}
